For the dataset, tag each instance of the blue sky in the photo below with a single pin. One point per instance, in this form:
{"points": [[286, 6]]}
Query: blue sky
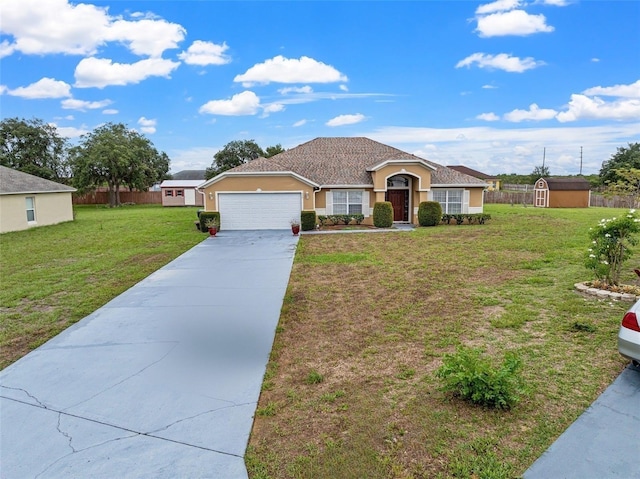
{"points": [[489, 85]]}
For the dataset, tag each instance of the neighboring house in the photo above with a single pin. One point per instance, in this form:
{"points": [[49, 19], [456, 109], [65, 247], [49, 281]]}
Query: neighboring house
{"points": [[181, 193], [492, 181], [27, 201], [572, 192], [336, 176]]}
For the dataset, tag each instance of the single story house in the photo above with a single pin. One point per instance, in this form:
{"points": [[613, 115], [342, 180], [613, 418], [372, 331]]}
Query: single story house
{"points": [[181, 193], [336, 176], [27, 201], [568, 192], [492, 181]]}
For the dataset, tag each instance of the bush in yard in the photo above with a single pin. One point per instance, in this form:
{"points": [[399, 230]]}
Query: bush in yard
{"points": [[308, 220], [611, 243], [208, 215], [429, 213], [383, 214], [471, 376]]}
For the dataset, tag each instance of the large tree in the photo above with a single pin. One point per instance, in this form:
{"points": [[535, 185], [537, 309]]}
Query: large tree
{"points": [[234, 153], [539, 172], [623, 159], [273, 150], [116, 156], [33, 147]]}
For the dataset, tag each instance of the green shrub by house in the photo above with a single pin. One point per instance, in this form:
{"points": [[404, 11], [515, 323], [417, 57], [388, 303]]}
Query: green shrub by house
{"points": [[308, 220], [383, 214], [429, 213], [471, 376], [208, 215]]}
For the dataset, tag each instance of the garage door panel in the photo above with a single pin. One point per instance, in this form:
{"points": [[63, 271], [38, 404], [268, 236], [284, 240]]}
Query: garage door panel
{"points": [[257, 211]]}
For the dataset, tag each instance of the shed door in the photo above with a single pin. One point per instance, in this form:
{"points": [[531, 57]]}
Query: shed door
{"points": [[258, 211], [190, 197]]}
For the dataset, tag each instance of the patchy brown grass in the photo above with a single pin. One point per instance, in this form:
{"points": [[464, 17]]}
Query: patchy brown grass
{"points": [[375, 313]]}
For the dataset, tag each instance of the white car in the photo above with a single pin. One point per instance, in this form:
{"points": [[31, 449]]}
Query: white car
{"points": [[629, 335]]}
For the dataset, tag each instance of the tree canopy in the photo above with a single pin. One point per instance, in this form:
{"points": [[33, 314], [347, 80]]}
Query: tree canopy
{"points": [[273, 150], [33, 147], [624, 159], [117, 156], [234, 153]]}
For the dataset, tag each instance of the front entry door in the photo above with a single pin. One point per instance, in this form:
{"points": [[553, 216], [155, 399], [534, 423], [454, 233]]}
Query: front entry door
{"points": [[400, 201]]}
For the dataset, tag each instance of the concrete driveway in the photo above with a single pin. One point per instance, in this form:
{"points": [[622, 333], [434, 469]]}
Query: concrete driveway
{"points": [[161, 382], [603, 442]]}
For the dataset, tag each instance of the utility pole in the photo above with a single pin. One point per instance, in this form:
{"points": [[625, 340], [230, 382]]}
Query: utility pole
{"points": [[544, 155], [580, 161]]}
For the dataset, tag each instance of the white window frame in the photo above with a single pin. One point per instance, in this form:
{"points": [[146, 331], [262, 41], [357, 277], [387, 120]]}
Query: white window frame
{"points": [[364, 202], [350, 202], [30, 208], [447, 203]]}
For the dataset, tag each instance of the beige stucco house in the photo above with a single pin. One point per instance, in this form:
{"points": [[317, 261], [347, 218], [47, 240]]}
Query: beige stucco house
{"points": [[27, 201], [336, 176]]}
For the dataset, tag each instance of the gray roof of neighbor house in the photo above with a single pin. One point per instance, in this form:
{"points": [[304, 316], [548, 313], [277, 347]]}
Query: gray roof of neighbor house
{"points": [[572, 184], [189, 175], [471, 172], [345, 161], [13, 182]]}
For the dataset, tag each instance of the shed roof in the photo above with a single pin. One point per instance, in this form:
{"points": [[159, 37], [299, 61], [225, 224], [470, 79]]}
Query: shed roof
{"points": [[181, 183], [346, 161], [190, 175], [568, 184], [14, 182]]}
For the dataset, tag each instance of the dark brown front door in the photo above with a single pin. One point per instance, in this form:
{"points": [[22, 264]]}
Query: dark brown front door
{"points": [[400, 201]]}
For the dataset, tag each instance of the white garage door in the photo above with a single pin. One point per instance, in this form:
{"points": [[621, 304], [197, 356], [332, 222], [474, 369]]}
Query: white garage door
{"points": [[258, 211]]}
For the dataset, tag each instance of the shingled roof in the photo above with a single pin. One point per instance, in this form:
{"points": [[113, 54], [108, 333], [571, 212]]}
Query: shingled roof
{"points": [[471, 172], [189, 175], [13, 182], [568, 184], [346, 161]]}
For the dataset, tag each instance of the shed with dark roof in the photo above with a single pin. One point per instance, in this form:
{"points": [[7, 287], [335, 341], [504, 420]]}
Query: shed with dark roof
{"points": [[27, 201], [562, 192], [336, 176]]}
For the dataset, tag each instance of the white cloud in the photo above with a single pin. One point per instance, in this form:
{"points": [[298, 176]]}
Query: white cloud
{"points": [[6, 48], [293, 89], [245, 103], [146, 37], [147, 125], [43, 88], [626, 91], [70, 131], [514, 22], [582, 107], [501, 61], [488, 117], [497, 6], [101, 72], [595, 60], [205, 53], [556, 3], [196, 158], [284, 70], [272, 108], [341, 120], [299, 123], [533, 113], [489, 87], [82, 105], [344, 87], [57, 26], [110, 111]]}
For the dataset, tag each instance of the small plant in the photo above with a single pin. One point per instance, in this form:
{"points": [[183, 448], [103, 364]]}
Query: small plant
{"points": [[383, 214], [471, 376], [267, 411], [611, 242], [314, 377], [294, 222], [429, 213], [206, 216], [211, 222]]}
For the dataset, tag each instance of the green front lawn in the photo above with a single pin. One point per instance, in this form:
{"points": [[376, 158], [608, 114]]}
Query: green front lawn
{"points": [[371, 316], [53, 276]]}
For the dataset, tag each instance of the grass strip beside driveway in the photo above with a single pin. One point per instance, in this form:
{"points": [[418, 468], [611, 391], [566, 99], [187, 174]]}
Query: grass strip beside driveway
{"points": [[370, 316], [55, 275]]}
